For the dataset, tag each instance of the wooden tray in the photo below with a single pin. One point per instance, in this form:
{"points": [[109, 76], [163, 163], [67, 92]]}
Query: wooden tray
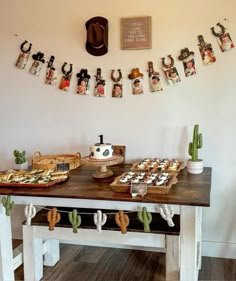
{"points": [[32, 184], [56, 162], [135, 167], [125, 187]]}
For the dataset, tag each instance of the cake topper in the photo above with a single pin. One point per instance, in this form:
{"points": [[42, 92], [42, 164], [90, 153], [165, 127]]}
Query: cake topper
{"points": [[101, 139]]}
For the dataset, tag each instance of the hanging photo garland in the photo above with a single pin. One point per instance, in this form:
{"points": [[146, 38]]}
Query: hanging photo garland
{"points": [[170, 70], [187, 58], [224, 40]]}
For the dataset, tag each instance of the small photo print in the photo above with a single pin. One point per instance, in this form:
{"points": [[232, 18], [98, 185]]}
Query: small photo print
{"points": [[172, 76], [225, 42], [189, 68], [117, 91], [138, 189], [83, 86], [207, 55], [137, 86], [155, 83], [100, 88], [36, 68]]}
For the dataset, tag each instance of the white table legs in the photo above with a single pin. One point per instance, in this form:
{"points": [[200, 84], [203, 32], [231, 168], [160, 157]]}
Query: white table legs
{"points": [[6, 253], [190, 222]]}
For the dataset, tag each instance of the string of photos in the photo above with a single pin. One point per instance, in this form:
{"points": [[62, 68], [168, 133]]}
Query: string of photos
{"points": [[99, 218], [155, 84]]}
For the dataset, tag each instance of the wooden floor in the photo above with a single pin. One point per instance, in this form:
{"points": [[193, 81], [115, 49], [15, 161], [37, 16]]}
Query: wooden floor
{"points": [[103, 264]]}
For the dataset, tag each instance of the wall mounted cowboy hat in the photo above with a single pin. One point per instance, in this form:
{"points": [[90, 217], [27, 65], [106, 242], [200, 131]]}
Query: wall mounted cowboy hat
{"points": [[97, 36]]}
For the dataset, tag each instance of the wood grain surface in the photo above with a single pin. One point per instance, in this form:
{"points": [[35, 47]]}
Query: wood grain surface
{"points": [[191, 189]]}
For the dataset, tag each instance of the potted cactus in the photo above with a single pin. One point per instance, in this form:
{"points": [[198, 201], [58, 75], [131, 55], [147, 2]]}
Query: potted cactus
{"points": [[20, 162], [195, 165]]}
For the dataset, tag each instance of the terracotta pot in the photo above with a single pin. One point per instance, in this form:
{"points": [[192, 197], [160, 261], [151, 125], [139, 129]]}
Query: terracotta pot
{"points": [[195, 167]]}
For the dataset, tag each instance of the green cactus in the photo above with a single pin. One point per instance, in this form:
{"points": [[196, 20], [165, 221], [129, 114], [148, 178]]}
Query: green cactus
{"points": [[75, 220], [195, 144], [19, 156], [8, 204], [146, 218]]}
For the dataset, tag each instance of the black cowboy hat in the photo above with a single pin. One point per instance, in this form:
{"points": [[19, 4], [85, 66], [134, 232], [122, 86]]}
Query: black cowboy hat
{"points": [[97, 36]]}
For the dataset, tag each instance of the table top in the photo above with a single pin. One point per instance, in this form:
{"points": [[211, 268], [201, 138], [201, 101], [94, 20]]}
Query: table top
{"points": [[192, 190]]}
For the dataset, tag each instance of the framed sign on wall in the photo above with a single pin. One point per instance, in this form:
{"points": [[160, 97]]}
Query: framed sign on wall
{"points": [[135, 33]]}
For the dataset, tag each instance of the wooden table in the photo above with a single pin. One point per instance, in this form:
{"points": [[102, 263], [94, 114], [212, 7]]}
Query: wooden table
{"points": [[83, 191]]}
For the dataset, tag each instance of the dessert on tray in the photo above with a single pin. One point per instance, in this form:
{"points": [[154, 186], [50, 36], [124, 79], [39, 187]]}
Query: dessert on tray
{"points": [[32, 177], [155, 164], [157, 182]]}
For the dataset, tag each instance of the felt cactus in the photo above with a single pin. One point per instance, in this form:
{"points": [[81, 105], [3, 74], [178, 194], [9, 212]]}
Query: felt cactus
{"points": [[53, 217], [8, 204], [99, 220], [146, 218], [122, 220], [167, 214], [30, 212], [75, 220], [195, 144], [19, 156]]}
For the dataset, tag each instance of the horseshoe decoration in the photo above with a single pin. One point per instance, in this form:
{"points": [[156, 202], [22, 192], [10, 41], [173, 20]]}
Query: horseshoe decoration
{"points": [[206, 51], [224, 40], [65, 79], [117, 88], [154, 79], [219, 33], [168, 65], [171, 72], [24, 55]]}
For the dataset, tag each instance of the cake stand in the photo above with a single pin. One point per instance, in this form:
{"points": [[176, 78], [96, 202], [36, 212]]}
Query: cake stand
{"points": [[102, 165]]}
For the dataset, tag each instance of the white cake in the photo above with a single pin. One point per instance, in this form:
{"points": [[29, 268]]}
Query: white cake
{"points": [[101, 151]]}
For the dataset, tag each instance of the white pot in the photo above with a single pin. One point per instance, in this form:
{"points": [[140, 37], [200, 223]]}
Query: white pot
{"points": [[195, 167], [23, 166]]}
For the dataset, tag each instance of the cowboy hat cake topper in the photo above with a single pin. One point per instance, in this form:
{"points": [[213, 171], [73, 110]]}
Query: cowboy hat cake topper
{"points": [[97, 36]]}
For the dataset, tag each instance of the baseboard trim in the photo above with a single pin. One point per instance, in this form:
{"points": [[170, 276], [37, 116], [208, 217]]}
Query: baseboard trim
{"points": [[219, 249]]}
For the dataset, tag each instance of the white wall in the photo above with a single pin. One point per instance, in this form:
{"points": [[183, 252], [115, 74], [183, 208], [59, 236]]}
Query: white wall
{"points": [[35, 116]]}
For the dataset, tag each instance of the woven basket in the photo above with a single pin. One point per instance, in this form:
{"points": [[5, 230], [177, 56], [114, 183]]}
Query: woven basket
{"points": [[56, 162]]}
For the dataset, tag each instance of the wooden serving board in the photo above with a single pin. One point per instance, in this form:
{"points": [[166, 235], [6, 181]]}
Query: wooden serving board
{"points": [[125, 187], [50, 183], [136, 168]]}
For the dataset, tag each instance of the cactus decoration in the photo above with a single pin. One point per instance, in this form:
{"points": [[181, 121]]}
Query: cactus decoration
{"points": [[99, 220], [167, 214], [146, 218], [30, 212], [195, 144], [8, 204], [75, 220], [122, 220], [19, 156], [53, 217]]}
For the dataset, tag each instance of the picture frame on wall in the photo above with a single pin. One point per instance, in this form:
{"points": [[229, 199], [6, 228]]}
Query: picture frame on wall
{"points": [[135, 33]]}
